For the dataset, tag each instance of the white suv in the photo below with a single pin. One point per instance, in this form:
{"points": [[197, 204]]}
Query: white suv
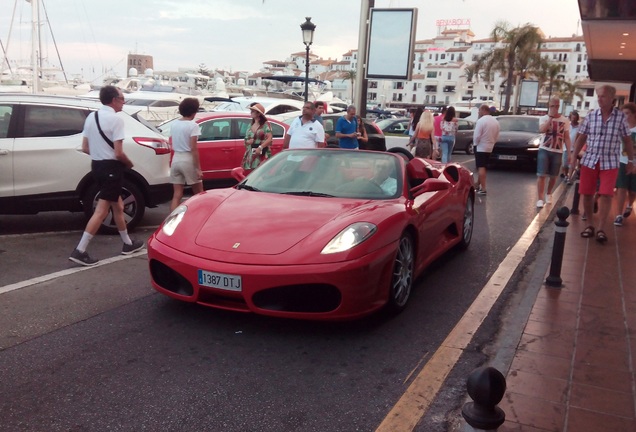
{"points": [[43, 168]]}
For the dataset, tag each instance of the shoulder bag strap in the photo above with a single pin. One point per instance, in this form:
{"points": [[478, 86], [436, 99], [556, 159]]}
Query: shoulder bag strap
{"points": [[101, 132]]}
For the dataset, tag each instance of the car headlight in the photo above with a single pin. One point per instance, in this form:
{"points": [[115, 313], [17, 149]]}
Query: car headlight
{"points": [[173, 220], [535, 142], [350, 237]]}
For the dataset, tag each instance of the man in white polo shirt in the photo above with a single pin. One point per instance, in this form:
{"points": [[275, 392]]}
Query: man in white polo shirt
{"points": [[305, 131]]}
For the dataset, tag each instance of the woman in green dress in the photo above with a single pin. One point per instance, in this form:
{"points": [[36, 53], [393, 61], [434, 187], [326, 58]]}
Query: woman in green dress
{"points": [[257, 139]]}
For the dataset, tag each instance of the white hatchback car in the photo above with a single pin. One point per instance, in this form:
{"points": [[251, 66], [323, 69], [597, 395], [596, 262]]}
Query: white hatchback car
{"points": [[43, 168]]}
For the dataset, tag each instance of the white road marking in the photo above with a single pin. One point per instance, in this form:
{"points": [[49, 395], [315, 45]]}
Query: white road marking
{"points": [[63, 273]]}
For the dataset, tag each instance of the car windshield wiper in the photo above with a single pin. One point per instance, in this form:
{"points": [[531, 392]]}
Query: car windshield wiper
{"points": [[247, 187], [308, 193]]}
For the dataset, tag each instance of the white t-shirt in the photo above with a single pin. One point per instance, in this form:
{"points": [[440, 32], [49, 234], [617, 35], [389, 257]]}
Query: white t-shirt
{"points": [[181, 132], [486, 133], [113, 127], [307, 135], [554, 139]]}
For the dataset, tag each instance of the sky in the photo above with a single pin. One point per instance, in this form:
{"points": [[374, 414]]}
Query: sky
{"points": [[94, 37]]}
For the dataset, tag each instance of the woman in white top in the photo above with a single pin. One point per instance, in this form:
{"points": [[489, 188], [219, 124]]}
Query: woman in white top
{"points": [[185, 167], [449, 129]]}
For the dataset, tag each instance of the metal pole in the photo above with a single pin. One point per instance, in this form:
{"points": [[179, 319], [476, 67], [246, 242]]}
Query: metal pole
{"points": [[554, 279], [360, 95], [575, 200], [307, 75]]}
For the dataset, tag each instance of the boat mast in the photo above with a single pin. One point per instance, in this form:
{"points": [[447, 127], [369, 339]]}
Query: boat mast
{"points": [[35, 37]]}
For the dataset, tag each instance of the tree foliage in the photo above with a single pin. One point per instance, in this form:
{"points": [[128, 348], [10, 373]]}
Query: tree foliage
{"points": [[514, 55]]}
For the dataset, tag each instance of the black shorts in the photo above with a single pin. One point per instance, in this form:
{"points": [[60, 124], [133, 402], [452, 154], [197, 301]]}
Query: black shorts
{"points": [[481, 159], [109, 175]]}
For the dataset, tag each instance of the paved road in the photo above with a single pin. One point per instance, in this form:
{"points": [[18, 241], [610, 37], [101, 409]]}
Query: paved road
{"points": [[98, 349]]}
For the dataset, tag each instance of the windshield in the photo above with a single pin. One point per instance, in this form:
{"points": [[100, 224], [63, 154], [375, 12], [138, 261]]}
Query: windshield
{"points": [[518, 124], [164, 128], [239, 105], [335, 173]]}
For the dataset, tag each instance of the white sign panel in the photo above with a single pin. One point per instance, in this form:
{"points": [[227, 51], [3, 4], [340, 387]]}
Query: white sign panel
{"points": [[391, 42]]}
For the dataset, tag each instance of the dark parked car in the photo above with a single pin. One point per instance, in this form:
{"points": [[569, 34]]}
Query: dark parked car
{"points": [[519, 139], [376, 137], [464, 136]]}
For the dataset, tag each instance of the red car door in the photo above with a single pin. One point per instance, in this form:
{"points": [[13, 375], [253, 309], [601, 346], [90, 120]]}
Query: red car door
{"points": [[219, 151]]}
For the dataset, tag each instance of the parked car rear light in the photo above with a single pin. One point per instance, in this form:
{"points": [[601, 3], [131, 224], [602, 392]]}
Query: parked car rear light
{"points": [[160, 146], [377, 128]]}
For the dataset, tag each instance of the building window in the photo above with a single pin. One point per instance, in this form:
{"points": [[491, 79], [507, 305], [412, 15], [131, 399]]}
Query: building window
{"points": [[452, 57], [373, 84], [579, 58], [587, 105], [443, 56], [450, 74], [578, 68], [430, 88], [414, 99], [589, 92], [460, 57], [426, 99], [578, 47], [436, 57], [433, 99], [431, 74], [414, 86], [446, 100]]}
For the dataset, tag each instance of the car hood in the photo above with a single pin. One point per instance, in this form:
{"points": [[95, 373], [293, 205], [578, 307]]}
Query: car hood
{"points": [[270, 224], [515, 138]]}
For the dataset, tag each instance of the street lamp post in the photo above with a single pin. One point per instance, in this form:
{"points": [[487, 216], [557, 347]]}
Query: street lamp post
{"points": [[308, 37]]}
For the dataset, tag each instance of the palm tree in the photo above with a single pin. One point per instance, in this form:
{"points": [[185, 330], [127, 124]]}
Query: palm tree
{"points": [[351, 75], [517, 54], [567, 91], [548, 72]]}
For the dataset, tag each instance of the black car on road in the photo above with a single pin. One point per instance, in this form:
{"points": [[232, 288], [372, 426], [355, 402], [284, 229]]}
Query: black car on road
{"points": [[519, 140]]}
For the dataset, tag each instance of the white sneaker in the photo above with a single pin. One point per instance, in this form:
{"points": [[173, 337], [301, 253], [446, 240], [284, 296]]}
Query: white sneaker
{"points": [[539, 203], [548, 199]]}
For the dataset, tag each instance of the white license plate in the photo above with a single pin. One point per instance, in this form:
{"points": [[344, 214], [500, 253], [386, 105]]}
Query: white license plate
{"points": [[507, 157], [220, 281]]}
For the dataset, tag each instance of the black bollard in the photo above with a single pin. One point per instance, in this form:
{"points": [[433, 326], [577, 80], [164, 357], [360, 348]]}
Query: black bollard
{"points": [[554, 279], [575, 200], [486, 387]]}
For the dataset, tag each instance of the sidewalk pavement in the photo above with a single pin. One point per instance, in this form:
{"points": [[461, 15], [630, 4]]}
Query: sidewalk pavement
{"points": [[574, 367]]}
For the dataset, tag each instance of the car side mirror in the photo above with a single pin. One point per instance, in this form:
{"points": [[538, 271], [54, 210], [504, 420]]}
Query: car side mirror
{"points": [[238, 174], [430, 185]]}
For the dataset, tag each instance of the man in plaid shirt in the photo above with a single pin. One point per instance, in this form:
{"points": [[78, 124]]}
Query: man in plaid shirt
{"points": [[603, 130]]}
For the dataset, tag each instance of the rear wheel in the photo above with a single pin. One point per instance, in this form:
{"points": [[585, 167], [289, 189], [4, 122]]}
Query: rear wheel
{"points": [[470, 149], [402, 278], [134, 206]]}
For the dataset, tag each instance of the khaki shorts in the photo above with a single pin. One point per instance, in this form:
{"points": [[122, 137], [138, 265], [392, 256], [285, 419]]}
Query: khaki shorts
{"points": [[182, 170]]}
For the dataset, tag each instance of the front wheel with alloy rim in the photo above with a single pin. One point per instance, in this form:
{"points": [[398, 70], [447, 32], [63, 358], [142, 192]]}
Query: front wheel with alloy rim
{"points": [[134, 206], [468, 222], [470, 150], [402, 278]]}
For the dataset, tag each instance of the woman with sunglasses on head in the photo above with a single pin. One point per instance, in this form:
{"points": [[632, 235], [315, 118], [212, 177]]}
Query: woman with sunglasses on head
{"points": [[257, 139]]}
